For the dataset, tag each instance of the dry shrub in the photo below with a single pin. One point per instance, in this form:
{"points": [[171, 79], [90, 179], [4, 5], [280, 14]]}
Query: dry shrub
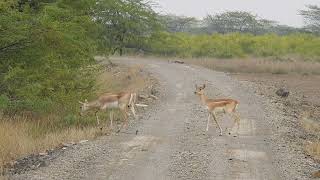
{"points": [[16, 140], [312, 126], [121, 79], [313, 149]]}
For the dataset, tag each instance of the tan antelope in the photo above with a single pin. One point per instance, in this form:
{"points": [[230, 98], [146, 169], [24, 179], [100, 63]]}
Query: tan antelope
{"points": [[215, 106], [122, 101]]}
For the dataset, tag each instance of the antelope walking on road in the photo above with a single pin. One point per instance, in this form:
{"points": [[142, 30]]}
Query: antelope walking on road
{"points": [[215, 106], [122, 101]]}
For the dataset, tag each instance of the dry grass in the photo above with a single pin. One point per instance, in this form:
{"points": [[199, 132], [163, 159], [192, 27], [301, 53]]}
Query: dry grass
{"points": [[313, 149], [258, 66], [312, 126], [23, 135], [16, 139], [121, 79], [252, 65]]}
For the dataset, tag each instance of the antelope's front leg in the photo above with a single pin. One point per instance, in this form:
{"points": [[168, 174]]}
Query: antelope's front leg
{"points": [[208, 122], [97, 117], [111, 119]]}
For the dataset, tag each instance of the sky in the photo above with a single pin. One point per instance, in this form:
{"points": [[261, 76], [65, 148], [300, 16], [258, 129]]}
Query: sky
{"points": [[282, 11]]}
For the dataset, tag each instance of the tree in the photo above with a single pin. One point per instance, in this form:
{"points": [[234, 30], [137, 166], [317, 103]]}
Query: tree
{"points": [[44, 49], [175, 23], [234, 21], [126, 22], [312, 18]]}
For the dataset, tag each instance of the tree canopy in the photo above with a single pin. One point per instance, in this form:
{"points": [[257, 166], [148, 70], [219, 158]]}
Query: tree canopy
{"points": [[175, 23], [46, 46], [126, 22], [312, 18]]}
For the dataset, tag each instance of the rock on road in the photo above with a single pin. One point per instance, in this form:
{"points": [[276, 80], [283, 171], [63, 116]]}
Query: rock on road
{"points": [[172, 142]]}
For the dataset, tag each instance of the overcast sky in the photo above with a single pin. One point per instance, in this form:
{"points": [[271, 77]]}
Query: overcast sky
{"points": [[283, 11]]}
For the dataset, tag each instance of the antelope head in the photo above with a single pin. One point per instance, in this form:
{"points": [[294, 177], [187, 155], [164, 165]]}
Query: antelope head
{"points": [[200, 90], [84, 106]]}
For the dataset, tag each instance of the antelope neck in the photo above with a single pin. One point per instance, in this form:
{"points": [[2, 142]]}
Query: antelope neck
{"points": [[203, 99]]}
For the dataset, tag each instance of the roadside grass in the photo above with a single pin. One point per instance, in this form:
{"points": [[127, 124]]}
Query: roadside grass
{"points": [[312, 126], [17, 138], [274, 66], [313, 149], [27, 134]]}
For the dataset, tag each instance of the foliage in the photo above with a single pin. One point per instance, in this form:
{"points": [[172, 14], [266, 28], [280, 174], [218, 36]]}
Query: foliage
{"points": [[127, 22], [227, 22], [234, 45], [47, 46], [233, 21], [47, 49], [173, 23], [44, 49]]}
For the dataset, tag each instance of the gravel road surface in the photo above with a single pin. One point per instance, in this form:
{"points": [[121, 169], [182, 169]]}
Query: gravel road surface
{"points": [[172, 142]]}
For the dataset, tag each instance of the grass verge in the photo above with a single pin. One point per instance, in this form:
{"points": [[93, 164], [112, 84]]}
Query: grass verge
{"points": [[312, 126], [258, 65], [26, 134]]}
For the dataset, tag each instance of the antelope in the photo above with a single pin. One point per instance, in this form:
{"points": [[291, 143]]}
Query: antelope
{"points": [[215, 106], [122, 101]]}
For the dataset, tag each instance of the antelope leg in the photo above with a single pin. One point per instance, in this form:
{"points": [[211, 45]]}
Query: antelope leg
{"points": [[215, 119], [97, 117], [208, 122]]}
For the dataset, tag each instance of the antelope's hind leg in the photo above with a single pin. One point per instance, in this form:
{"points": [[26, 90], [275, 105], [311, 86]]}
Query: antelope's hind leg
{"points": [[111, 119], [97, 117], [236, 120], [133, 111], [215, 119], [208, 122], [125, 116]]}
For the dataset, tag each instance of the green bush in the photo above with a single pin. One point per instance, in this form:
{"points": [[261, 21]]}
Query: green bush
{"points": [[45, 52], [4, 102], [234, 45]]}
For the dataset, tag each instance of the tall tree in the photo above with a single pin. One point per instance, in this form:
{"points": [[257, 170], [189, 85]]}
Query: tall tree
{"points": [[126, 22], [233, 21], [175, 23], [44, 46], [312, 18]]}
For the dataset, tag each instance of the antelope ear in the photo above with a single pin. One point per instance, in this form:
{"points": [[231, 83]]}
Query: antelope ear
{"points": [[204, 85], [86, 100], [81, 102]]}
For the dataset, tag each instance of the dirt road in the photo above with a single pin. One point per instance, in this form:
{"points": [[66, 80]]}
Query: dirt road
{"points": [[172, 142]]}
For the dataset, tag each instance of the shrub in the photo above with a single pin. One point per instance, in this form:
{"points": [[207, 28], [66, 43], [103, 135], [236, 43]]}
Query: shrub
{"points": [[234, 45]]}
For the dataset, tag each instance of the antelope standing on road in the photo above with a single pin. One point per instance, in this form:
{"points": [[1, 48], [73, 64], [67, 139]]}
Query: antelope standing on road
{"points": [[215, 106], [122, 101]]}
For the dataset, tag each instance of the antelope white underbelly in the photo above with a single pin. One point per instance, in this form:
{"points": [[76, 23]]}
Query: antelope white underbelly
{"points": [[219, 110], [112, 105]]}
